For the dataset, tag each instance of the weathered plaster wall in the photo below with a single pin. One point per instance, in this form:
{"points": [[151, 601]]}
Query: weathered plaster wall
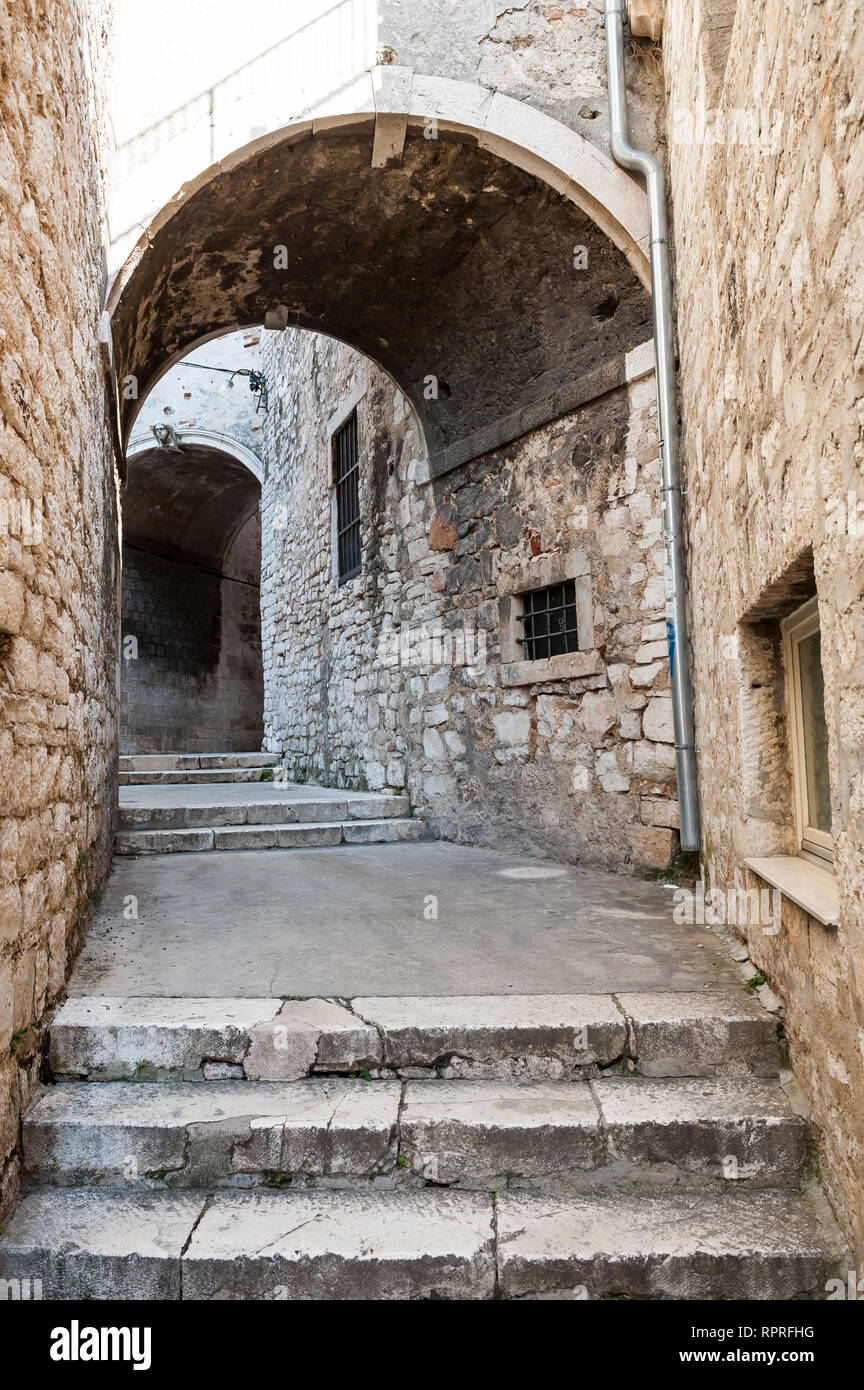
{"points": [[767, 194], [192, 681], [58, 540], [396, 677], [190, 399], [553, 56]]}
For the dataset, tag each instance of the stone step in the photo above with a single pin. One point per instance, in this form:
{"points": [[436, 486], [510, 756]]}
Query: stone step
{"points": [[99, 1245], [681, 1245], [622, 1128], [177, 762], [473, 1133], [283, 835], [182, 815], [526, 1037], [190, 1136], [198, 777]]}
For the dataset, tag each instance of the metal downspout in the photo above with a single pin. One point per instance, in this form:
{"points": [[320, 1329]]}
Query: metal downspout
{"points": [[673, 539]]}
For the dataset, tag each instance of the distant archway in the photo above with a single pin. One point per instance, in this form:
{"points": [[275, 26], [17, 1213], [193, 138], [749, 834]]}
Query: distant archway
{"points": [[201, 438], [192, 678]]}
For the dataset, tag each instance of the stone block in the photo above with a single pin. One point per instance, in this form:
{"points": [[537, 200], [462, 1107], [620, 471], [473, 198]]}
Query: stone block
{"points": [[345, 1245], [652, 845], [309, 1035], [477, 1131]]}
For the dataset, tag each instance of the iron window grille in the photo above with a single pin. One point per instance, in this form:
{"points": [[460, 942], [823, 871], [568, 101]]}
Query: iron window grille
{"points": [[549, 618], [346, 477]]}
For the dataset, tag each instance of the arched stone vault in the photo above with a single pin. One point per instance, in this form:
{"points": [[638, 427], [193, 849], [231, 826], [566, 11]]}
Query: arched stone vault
{"points": [[449, 257], [191, 573], [188, 505]]}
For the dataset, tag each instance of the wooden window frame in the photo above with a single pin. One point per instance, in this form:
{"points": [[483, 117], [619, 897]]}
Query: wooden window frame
{"points": [[813, 844]]}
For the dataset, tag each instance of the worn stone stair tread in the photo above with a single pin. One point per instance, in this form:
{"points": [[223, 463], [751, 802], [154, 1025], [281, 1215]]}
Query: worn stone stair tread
{"points": [[195, 776], [523, 1036], [287, 835], [331, 1245], [144, 1105], [640, 1100], [187, 1133], [564, 1030], [107, 1036], [83, 1243], [253, 810], [448, 1131], [670, 1031], [171, 762], [684, 1245], [738, 1129]]}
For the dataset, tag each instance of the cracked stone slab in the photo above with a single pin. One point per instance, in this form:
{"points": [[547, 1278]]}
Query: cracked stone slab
{"points": [[162, 841], [371, 807], [104, 1037], [370, 832], [451, 1131], [208, 777], [307, 1034], [94, 1245], [185, 814], [684, 1245], [690, 1034], [187, 1133], [178, 762], [738, 1128], [533, 1035], [345, 1245]]}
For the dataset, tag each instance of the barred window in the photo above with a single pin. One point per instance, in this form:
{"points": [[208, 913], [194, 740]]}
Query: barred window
{"points": [[346, 478], [549, 622]]}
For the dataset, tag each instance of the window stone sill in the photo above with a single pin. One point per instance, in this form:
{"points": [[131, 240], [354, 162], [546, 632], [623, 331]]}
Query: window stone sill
{"points": [[804, 883], [553, 668]]}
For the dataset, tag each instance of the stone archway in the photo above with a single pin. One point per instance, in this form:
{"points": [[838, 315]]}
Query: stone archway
{"points": [[191, 627], [203, 438], [492, 265]]}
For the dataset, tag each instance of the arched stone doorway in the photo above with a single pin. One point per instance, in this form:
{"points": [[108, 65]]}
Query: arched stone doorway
{"points": [[428, 223], [191, 670]]}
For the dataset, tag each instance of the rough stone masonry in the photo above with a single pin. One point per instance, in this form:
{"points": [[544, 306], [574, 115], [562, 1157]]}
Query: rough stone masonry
{"points": [[58, 546], [408, 677], [767, 178]]}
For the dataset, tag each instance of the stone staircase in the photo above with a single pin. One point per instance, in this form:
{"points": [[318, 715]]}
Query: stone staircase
{"points": [[166, 769], [582, 1146], [183, 802]]}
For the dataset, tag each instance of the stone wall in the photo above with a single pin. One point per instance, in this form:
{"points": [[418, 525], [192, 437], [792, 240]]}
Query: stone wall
{"points": [[407, 675], [767, 177], [192, 675], [58, 539]]}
